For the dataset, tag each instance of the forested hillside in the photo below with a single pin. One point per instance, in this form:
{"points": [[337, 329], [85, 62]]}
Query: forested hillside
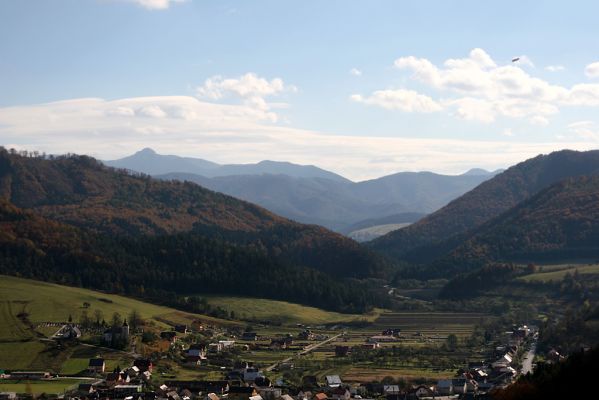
{"points": [[164, 268], [82, 192], [558, 224], [439, 233]]}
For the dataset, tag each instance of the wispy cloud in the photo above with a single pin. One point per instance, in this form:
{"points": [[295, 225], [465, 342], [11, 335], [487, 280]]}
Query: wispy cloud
{"points": [[154, 4], [239, 133], [355, 72], [555, 68]]}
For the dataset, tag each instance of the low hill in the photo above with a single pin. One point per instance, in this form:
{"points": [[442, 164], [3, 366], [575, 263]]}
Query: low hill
{"points": [[164, 269], [560, 223], [440, 232], [81, 192]]}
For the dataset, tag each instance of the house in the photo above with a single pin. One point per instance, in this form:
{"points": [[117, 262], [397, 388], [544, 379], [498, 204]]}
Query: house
{"points": [[8, 396], [419, 392], [193, 361], [226, 344], [340, 393], [143, 364], [306, 335], [214, 348], [342, 351], [320, 396], [181, 329], [250, 374], [249, 336], [286, 397], [30, 375], [133, 371], [444, 387], [96, 366], [67, 332], [391, 392], [278, 344], [171, 336], [122, 391], [310, 381], [117, 334], [459, 385], [212, 396], [333, 381]]}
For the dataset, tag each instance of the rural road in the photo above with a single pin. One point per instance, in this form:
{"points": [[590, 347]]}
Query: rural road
{"points": [[527, 362], [305, 351]]}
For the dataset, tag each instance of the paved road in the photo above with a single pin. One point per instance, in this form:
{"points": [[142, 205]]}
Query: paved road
{"points": [[305, 351], [527, 362]]}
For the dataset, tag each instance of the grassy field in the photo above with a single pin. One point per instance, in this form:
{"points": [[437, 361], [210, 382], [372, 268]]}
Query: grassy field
{"points": [[556, 273], [40, 302], [284, 312], [37, 387]]}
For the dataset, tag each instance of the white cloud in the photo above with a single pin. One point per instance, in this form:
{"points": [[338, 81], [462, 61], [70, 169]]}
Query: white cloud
{"points": [[508, 132], [555, 68], [476, 88], [539, 121], [250, 88], [355, 72], [155, 4], [404, 100], [592, 70], [238, 134]]}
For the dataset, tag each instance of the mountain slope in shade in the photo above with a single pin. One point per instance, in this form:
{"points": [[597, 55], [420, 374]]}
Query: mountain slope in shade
{"points": [[149, 162], [558, 223], [80, 191], [438, 233], [164, 269], [338, 205]]}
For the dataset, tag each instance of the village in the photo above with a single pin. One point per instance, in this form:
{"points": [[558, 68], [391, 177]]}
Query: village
{"points": [[275, 363]]}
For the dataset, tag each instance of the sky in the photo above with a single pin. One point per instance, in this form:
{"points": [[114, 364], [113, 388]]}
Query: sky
{"points": [[361, 88]]}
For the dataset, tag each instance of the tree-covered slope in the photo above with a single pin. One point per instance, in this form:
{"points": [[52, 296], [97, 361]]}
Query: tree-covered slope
{"points": [[163, 268], [559, 223], [80, 191], [440, 232]]}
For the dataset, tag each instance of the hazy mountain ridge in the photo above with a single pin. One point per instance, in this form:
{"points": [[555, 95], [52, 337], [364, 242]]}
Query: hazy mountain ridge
{"points": [[309, 194], [149, 162], [439, 233]]}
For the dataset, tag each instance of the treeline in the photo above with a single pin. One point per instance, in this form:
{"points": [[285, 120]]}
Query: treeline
{"points": [[167, 268]]}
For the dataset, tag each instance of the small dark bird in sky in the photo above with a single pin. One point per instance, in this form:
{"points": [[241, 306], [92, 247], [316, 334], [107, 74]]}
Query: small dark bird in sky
{"points": [[515, 59]]}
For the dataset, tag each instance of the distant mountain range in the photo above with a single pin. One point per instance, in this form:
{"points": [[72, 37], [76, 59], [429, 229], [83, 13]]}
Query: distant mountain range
{"points": [[447, 232], [309, 194], [152, 163]]}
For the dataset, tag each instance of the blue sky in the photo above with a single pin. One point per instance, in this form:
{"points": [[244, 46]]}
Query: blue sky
{"points": [[360, 87]]}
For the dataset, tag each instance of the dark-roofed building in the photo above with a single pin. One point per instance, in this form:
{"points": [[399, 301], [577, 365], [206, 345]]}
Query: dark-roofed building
{"points": [[96, 366]]}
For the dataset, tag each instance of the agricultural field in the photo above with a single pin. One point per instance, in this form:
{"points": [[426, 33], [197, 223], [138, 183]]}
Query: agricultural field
{"points": [[31, 311], [555, 273], [282, 312], [38, 387]]}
